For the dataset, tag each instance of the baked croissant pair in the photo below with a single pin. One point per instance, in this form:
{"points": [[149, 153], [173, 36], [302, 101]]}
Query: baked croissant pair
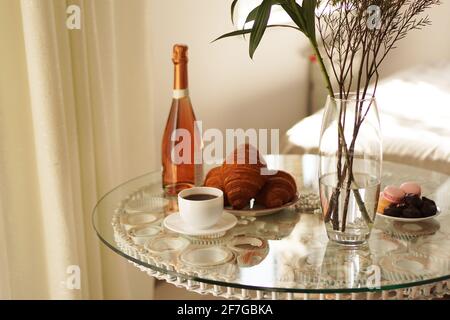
{"points": [[241, 180]]}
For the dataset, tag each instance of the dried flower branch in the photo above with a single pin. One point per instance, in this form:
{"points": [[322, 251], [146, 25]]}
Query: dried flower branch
{"points": [[347, 36]]}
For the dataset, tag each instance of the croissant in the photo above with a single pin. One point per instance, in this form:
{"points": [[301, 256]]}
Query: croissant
{"points": [[214, 179], [242, 175], [279, 189]]}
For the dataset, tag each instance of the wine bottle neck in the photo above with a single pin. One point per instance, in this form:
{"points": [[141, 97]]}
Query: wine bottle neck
{"points": [[181, 76], [180, 62], [180, 93], [180, 85]]}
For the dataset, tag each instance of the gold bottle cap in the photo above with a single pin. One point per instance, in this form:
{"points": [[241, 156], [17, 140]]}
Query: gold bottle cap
{"points": [[180, 53]]}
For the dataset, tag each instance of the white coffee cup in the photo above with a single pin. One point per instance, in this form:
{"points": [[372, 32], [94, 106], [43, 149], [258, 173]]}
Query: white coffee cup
{"points": [[200, 214]]}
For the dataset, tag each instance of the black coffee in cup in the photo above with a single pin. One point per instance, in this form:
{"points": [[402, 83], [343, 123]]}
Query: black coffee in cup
{"points": [[200, 197]]}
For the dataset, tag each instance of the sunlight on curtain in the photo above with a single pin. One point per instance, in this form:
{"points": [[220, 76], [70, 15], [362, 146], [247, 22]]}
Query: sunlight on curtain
{"points": [[75, 120]]}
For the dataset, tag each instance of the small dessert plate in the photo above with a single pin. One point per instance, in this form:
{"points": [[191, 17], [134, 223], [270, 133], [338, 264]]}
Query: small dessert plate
{"points": [[146, 204], [141, 234], [257, 210], [174, 223], [130, 220], [166, 245], [206, 256], [409, 219]]}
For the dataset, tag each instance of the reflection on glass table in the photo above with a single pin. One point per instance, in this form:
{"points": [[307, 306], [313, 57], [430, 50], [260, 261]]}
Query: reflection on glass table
{"points": [[285, 255]]}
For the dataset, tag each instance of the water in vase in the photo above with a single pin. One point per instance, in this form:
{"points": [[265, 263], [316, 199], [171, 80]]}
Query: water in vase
{"points": [[350, 226]]}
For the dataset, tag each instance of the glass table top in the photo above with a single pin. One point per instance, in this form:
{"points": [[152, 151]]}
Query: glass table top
{"points": [[287, 251]]}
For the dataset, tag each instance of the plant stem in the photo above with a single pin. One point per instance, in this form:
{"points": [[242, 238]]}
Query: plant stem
{"points": [[349, 183], [323, 69], [333, 207]]}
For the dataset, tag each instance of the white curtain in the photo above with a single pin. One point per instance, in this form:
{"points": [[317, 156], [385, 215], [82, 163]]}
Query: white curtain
{"points": [[75, 120]]}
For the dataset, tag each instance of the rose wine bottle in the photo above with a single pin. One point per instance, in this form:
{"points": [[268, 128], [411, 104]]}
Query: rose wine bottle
{"points": [[181, 144]]}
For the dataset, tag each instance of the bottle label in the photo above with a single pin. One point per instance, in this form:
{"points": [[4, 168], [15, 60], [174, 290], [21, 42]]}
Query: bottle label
{"points": [[180, 93]]}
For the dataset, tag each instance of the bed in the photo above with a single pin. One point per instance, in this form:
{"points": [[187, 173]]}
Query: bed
{"points": [[414, 108]]}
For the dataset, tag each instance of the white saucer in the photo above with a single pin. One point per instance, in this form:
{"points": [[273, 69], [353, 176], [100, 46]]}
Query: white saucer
{"points": [[410, 219], [206, 256], [174, 223]]}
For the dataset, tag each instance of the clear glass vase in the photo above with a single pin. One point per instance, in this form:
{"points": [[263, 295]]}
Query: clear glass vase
{"points": [[350, 168]]}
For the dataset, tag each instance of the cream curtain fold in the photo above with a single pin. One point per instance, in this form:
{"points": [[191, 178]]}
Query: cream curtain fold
{"points": [[75, 120]]}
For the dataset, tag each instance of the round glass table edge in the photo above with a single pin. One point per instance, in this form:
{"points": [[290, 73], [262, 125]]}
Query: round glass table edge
{"points": [[274, 289], [259, 288]]}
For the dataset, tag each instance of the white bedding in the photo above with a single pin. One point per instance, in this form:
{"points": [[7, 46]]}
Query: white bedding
{"points": [[415, 119]]}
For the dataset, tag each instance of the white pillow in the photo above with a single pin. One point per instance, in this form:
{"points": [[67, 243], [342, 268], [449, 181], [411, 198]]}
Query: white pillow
{"points": [[414, 110]]}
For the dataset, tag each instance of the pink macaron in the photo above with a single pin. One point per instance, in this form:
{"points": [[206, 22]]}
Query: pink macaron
{"points": [[393, 194], [411, 188]]}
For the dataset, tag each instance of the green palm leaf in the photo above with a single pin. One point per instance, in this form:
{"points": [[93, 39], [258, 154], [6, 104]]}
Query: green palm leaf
{"points": [[260, 25], [252, 15], [233, 6], [246, 31], [309, 15], [302, 15], [294, 12]]}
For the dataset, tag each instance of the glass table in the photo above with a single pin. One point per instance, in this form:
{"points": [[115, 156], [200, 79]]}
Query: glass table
{"points": [[285, 255]]}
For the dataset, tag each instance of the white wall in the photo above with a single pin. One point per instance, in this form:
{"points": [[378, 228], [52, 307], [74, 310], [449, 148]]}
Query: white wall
{"points": [[231, 91], [423, 46], [228, 90]]}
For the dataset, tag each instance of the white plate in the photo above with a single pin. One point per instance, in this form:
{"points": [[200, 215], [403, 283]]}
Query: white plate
{"points": [[174, 223], [130, 220], [141, 234], [146, 204], [166, 244], [259, 210], [409, 219], [206, 256]]}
